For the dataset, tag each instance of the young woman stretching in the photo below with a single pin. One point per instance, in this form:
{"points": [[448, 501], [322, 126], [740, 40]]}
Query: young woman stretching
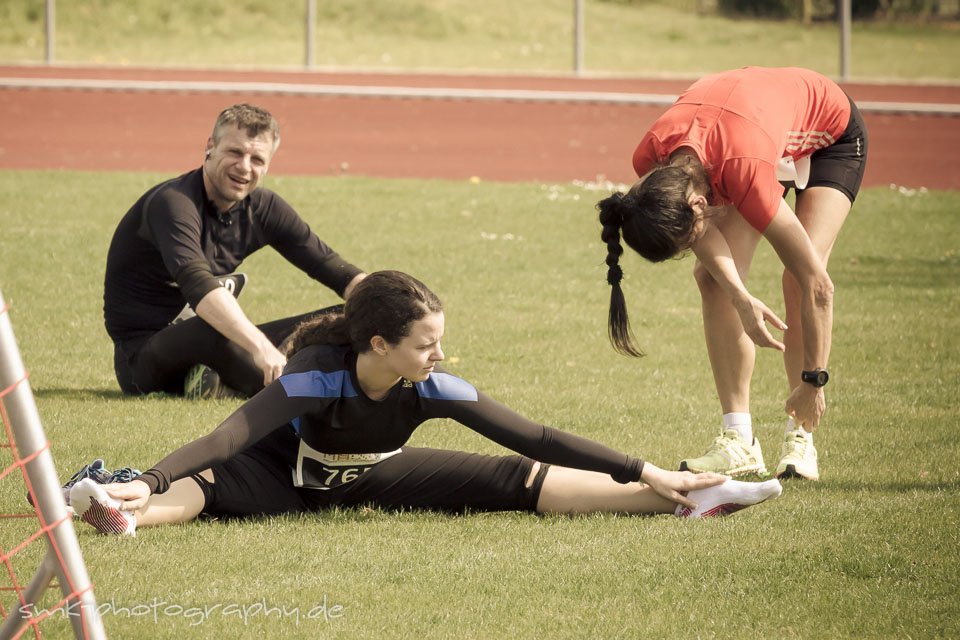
{"points": [[713, 171], [332, 431]]}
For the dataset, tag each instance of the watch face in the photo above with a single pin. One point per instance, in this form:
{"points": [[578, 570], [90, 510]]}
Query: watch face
{"points": [[817, 377]]}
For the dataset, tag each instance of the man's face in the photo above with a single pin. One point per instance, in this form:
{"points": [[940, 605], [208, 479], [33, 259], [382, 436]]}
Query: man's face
{"points": [[235, 165]]}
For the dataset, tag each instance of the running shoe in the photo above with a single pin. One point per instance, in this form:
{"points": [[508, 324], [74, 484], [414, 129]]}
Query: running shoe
{"points": [[729, 497], [729, 456], [95, 471], [94, 506], [200, 382], [99, 474], [123, 474], [798, 457], [203, 383]]}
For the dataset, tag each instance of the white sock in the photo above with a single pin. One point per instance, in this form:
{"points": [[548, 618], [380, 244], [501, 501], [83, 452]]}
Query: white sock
{"points": [[93, 505], [792, 426], [742, 423], [728, 497]]}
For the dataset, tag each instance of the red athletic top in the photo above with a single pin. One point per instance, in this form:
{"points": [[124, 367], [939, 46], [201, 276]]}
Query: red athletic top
{"points": [[740, 124]]}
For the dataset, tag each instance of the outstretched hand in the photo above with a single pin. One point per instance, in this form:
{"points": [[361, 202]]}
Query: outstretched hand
{"points": [[132, 495], [673, 485], [754, 316]]}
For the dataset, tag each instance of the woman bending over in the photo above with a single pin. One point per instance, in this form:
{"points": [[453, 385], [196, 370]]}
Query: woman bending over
{"points": [[713, 172]]}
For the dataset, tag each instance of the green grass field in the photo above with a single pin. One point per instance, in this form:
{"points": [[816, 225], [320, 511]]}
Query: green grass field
{"points": [[638, 38], [869, 552]]}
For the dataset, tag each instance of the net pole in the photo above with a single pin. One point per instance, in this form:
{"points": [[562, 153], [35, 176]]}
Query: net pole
{"points": [[30, 439], [17, 617]]}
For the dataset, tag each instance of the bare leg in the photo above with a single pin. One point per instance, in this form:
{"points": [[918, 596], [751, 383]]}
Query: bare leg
{"points": [[731, 351], [571, 491], [181, 503], [822, 212], [574, 491]]}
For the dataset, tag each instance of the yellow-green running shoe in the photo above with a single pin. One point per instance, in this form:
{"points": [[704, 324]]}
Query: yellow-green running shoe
{"points": [[202, 383], [798, 457], [728, 455]]}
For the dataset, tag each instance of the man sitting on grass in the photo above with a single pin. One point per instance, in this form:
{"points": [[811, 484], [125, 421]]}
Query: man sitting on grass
{"points": [[168, 293]]}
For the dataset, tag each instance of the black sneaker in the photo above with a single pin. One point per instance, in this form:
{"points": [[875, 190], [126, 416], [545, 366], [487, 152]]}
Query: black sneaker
{"points": [[123, 474], [96, 472]]}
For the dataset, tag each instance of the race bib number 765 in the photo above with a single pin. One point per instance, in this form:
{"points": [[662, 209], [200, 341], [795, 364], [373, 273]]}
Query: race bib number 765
{"points": [[325, 471]]}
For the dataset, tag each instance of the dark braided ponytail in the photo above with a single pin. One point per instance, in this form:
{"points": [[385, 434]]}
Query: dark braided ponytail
{"points": [[612, 210]]}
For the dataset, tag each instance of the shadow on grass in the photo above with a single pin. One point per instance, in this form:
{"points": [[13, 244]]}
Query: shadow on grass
{"points": [[64, 393], [861, 486]]}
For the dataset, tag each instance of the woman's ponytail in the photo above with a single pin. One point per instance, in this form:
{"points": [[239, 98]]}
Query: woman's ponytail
{"points": [[329, 327], [612, 211]]}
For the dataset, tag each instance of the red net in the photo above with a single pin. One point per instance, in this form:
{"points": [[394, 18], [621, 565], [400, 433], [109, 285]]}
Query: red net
{"points": [[67, 604]]}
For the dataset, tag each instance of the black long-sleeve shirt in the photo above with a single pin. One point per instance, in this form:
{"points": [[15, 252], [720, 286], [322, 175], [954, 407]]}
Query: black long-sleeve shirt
{"points": [[320, 396], [172, 244]]}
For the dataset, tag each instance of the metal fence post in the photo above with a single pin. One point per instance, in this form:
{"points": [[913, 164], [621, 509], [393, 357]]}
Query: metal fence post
{"points": [[578, 36], [311, 19], [845, 19], [50, 21]]}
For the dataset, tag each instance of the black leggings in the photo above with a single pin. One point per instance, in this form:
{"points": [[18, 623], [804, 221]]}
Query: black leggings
{"points": [[160, 362], [259, 481]]}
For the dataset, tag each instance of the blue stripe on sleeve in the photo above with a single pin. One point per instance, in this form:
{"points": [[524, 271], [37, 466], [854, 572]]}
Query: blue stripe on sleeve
{"points": [[443, 386], [318, 384]]}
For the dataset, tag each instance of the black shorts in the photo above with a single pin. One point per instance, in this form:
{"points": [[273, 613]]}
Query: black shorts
{"points": [[841, 165], [259, 481]]}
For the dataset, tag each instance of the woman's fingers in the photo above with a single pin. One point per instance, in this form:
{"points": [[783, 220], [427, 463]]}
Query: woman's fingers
{"points": [[681, 499], [774, 319], [682, 482], [131, 495], [704, 480], [757, 329], [763, 338]]}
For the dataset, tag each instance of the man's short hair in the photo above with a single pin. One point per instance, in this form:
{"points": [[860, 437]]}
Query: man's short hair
{"points": [[252, 119]]}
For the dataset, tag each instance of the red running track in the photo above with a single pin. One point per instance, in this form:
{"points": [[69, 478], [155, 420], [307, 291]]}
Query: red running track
{"points": [[405, 137]]}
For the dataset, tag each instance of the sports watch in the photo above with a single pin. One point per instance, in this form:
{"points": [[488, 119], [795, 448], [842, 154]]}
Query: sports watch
{"points": [[817, 377]]}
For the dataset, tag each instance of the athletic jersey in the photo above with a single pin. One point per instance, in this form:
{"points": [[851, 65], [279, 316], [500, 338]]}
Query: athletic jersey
{"points": [[319, 395], [741, 124], [172, 243]]}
